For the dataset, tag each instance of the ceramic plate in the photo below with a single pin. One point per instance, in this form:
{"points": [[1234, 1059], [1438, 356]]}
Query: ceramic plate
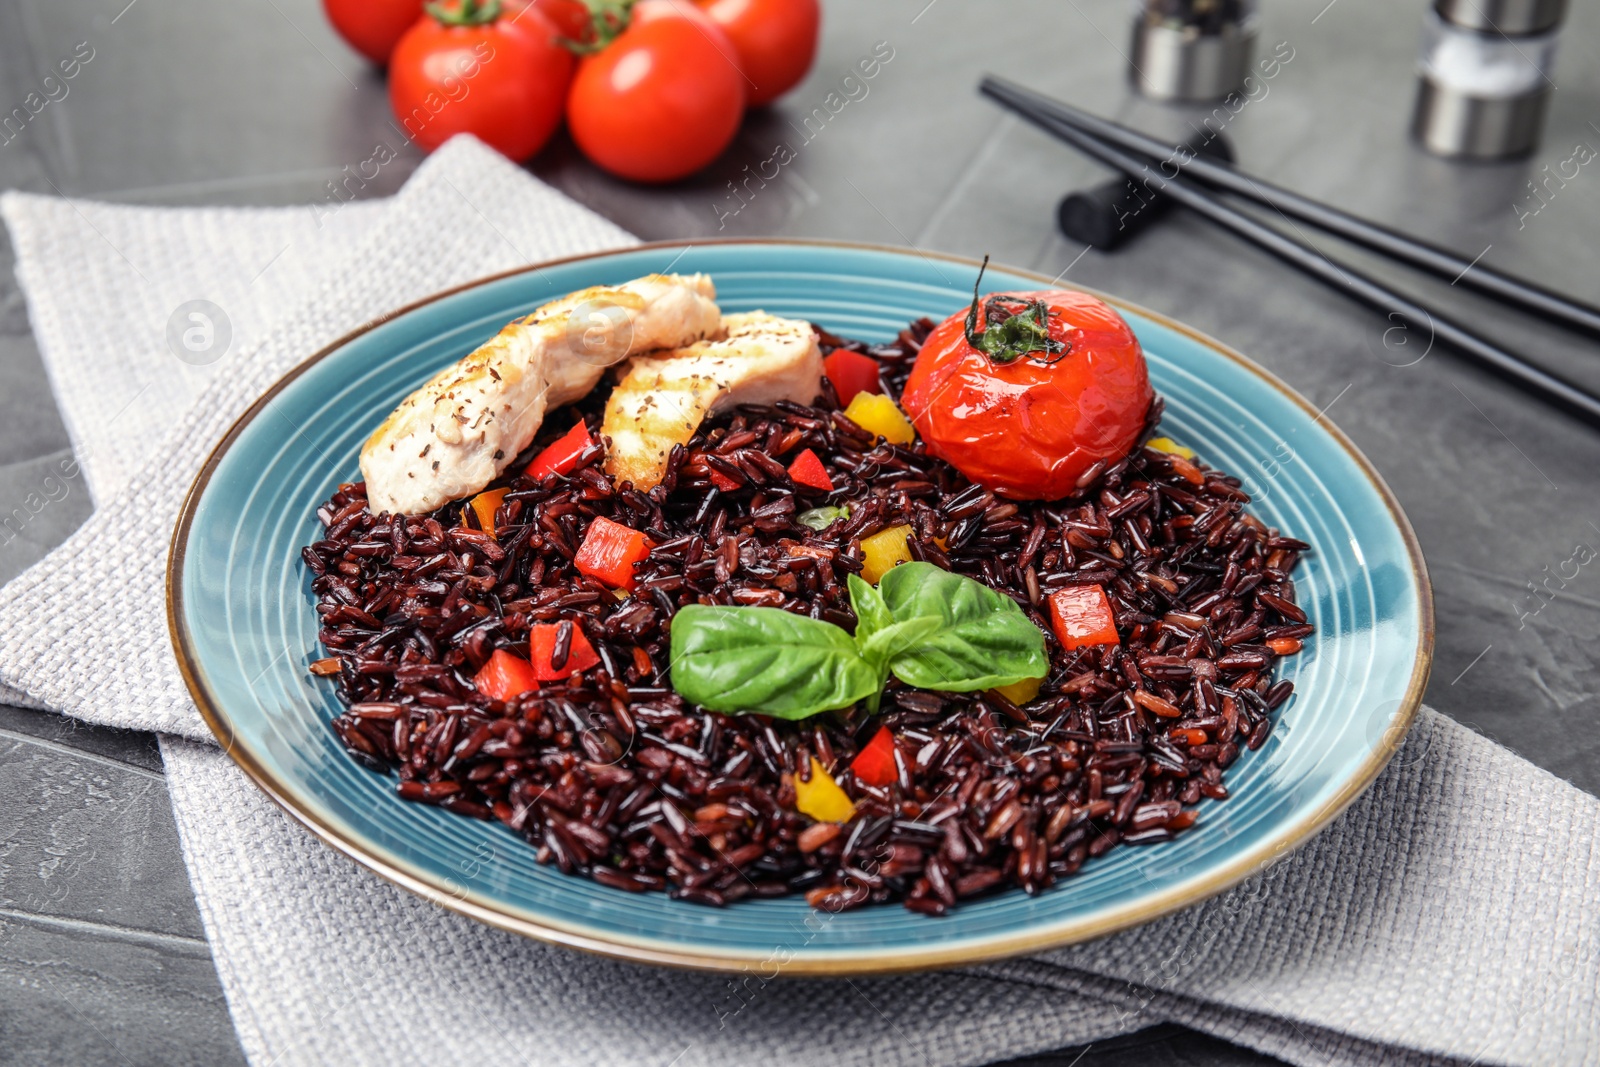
{"points": [[244, 628]]}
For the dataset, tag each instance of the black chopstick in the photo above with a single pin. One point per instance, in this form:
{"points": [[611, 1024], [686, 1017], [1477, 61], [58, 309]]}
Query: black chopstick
{"points": [[1512, 290], [1552, 388]]}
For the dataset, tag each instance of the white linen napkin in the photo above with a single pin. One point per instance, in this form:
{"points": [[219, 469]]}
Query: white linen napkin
{"points": [[1448, 917]]}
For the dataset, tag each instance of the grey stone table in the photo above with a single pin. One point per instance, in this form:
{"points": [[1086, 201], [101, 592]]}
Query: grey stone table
{"points": [[102, 957]]}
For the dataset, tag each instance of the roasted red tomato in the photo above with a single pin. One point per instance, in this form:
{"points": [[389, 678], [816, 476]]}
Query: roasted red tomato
{"points": [[1026, 392], [662, 99], [776, 39], [373, 27], [482, 67]]}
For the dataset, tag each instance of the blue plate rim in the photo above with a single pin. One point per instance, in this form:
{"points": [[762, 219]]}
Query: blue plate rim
{"points": [[959, 952]]}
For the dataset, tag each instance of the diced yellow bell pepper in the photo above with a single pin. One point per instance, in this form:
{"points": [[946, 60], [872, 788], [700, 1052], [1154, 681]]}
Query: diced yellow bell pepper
{"points": [[1170, 447], [821, 798], [1019, 693], [486, 504], [876, 413], [884, 550]]}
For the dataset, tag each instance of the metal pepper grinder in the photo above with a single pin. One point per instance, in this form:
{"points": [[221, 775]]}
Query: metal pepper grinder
{"points": [[1483, 77], [1191, 50]]}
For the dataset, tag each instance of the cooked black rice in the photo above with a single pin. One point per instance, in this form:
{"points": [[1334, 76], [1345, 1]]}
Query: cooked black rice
{"points": [[612, 776]]}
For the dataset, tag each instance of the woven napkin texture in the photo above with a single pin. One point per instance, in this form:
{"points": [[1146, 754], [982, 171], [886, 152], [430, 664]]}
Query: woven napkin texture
{"points": [[1448, 917]]}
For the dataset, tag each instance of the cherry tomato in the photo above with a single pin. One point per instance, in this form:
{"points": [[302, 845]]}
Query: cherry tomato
{"points": [[663, 99], [1031, 428], [373, 27], [776, 39], [480, 68], [570, 17]]}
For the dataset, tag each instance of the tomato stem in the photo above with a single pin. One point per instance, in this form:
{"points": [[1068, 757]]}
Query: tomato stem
{"points": [[607, 19], [1013, 327], [465, 12]]}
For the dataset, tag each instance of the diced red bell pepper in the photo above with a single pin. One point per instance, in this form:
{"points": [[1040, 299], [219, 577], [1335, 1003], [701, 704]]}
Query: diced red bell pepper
{"points": [[807, 470], [874, 764], [485, 505], [562, 456], [851, 373], [609, 551], [542, 646], [505, 676], [722, 481], [1081, 616]]}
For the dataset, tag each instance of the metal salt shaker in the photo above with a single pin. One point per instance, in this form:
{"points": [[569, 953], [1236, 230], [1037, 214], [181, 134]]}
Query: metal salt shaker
{"points": [[1189, 50], [1484, 76]]}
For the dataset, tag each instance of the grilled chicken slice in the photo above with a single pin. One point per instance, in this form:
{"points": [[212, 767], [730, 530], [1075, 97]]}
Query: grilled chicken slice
{"points": [[454, 435], [663, 397]]}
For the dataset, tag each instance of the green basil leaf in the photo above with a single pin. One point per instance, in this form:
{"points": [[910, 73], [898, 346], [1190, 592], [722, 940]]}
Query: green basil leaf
{"points": [[766, 660], [872, 614], [982, 639], [883, 645], [820, 519]]}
